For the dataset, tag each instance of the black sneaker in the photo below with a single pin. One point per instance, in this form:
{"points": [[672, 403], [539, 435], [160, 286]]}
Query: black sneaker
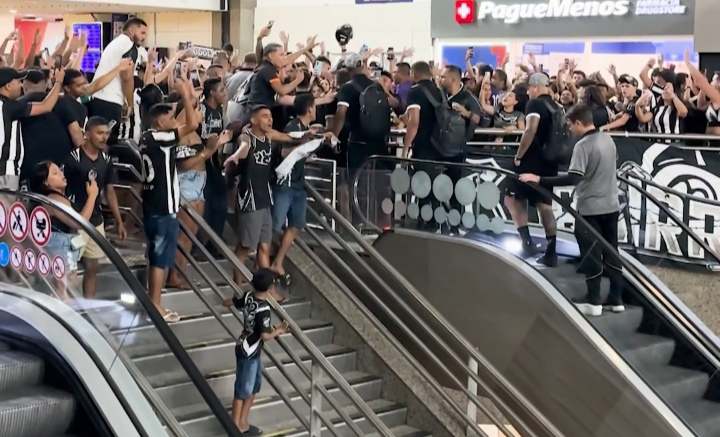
{"points": [[588, 308], [548, 260], [528, 251], [614, 305]]}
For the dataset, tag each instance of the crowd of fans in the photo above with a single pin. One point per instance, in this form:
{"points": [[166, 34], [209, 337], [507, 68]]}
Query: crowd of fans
{"points": [[230, 135]]}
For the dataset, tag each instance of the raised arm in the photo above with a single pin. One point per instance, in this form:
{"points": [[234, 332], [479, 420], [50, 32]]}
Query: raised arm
{"points": [[710, 92], [34, 49], [184, 88], [645, 73]]}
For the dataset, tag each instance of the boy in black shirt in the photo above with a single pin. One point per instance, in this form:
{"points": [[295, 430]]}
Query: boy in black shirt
{"points": [[256, 331], [161, 193], [87, 163]]}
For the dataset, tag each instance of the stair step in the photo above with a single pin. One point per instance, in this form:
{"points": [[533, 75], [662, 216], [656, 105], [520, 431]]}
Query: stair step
{"points": [[676, 384], [404, 431], [19, 369], [613, 325], [164, 369], [702, 415], [185, 401], [36, 411], [392, 414], [639, 349]]}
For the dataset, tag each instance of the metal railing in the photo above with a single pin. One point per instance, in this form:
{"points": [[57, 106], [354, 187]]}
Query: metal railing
{"points": [[166, 333], [319, 365], [705, 343], [529, 423]]}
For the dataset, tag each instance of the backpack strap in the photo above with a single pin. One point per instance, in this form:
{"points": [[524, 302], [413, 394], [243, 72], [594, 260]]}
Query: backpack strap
{"points": [[428, 95]]}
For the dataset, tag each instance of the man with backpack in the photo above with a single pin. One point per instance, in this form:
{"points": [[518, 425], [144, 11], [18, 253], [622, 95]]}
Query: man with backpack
{"points": [[365, 105], [539, 153]]}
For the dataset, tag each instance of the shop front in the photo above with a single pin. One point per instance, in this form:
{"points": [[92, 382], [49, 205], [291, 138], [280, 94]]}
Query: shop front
{"points": [[593, 33]]}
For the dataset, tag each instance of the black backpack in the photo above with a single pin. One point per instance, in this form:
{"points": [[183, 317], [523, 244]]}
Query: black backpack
{"points": [[374, 111], [559, 146], [449, 135]]}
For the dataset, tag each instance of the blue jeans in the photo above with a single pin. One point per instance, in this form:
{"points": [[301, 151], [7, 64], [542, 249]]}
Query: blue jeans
{"points": [[248, 376], [290, 204], [161, 232], [60, 245]]}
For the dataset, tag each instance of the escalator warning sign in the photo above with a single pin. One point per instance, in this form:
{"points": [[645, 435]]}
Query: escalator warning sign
{"points": [[40, 226], [58, 267], [16, 257], [3, 220], [19, 226], [43, 264]]}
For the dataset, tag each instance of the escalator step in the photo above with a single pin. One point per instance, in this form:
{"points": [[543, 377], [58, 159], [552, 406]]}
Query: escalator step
{"points": [[35, 411], [4, 347], [18, 369]]}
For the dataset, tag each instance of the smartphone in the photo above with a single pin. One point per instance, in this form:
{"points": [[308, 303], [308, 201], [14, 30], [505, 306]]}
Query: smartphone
{"points": [[270, 24], [195, 78], [364, 49], [178, 69], [318, 68], [182, 45], [390, 54], [470, 53]]}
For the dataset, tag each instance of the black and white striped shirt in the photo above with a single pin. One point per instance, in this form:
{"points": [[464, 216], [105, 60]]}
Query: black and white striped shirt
{"points": [[161, 190], [666, 120], [12, 150]]}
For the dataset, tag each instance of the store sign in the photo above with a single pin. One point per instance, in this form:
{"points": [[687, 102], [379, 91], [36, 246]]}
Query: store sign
{"points": [[570, 18], [514, 13]]}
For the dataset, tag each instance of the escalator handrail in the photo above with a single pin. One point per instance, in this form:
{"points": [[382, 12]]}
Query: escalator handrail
{"points": [[299, 335], [142, 297], [709, 347], [499, 380]]}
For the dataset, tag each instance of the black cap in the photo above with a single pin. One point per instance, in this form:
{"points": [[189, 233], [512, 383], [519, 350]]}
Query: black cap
{"points": [[626, 78], [263, 280], [7, 75], [37, 76], [667, 75]]}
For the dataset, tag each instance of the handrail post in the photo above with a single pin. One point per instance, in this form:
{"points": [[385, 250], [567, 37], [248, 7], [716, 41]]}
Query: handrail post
{"points": [[473, 388], [315, 399]]}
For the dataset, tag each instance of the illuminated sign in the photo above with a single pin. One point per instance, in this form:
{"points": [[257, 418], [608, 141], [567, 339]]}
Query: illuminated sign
{"points": [[94, 41], [514, 13]]}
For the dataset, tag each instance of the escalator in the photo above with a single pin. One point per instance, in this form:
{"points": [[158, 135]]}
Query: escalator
{"points": [[651, 370]]}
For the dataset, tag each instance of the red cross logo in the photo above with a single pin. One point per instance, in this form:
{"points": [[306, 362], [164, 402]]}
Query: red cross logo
{"points": [[465, 11]]}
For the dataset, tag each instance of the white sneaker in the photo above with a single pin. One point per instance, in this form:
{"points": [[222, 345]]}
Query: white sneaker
{"points": [[615, 308], [590, 309]]}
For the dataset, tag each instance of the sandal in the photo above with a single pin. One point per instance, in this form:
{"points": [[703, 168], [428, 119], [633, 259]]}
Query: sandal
{"points": [[252, 431], [171, 316], [285, 280]]}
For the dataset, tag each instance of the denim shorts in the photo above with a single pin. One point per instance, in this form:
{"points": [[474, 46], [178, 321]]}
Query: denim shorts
{"points": [[290, 204], [161, 232], [248, 375], [192, 185], [60, 245]]}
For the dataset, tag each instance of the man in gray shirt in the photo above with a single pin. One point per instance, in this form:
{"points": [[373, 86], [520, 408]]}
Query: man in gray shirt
{"points": [[593, 169]]}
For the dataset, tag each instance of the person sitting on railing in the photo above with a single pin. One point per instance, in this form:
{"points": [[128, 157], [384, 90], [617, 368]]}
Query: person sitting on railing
{"points": [[65, 243], [161, 196], [593, 170], [89, 163], [257, 330]]}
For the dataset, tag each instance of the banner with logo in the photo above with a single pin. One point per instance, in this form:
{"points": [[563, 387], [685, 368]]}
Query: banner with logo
{"points": [[685, 180], [477, 19]]}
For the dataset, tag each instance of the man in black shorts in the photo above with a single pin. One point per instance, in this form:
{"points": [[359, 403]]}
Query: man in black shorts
{"points": [[529, 159]]}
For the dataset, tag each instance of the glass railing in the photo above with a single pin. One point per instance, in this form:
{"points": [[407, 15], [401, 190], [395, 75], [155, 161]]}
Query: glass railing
{"points": [[41, 246], [469, 201]]}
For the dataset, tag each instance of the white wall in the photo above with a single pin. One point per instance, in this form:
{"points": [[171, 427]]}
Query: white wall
{"points": [[377, 25], [205, 5]]}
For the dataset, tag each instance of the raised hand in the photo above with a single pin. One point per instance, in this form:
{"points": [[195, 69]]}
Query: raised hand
{"points": [[612, 70], [91, 188], [285, 38], [651, 62], [264, 32], [126, 65]]}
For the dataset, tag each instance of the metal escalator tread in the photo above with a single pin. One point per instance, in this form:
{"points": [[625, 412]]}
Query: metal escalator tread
{"points": [[676, 383], [645, 348], [35, 411], [404, 431], [703, 416], [19, 369]]}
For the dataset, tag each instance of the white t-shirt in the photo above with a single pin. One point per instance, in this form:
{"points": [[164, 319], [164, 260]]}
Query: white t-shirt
{"points": [[111, 57]]}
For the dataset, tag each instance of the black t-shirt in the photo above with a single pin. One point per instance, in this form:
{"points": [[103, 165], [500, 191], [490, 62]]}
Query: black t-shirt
{"points": [[422, 146], [161, 190], [470, 103], [255, 172], [349, 97], [633, 124], [533, 161], [79, 170], [601, 117], [70, 110], [261, 90], [212, 124], [256, 322], [45, 136], [297, 174]]}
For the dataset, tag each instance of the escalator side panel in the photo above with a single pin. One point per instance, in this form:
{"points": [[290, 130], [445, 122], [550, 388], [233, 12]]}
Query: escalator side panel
{"points": [[514, 318], [71, 337]]}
